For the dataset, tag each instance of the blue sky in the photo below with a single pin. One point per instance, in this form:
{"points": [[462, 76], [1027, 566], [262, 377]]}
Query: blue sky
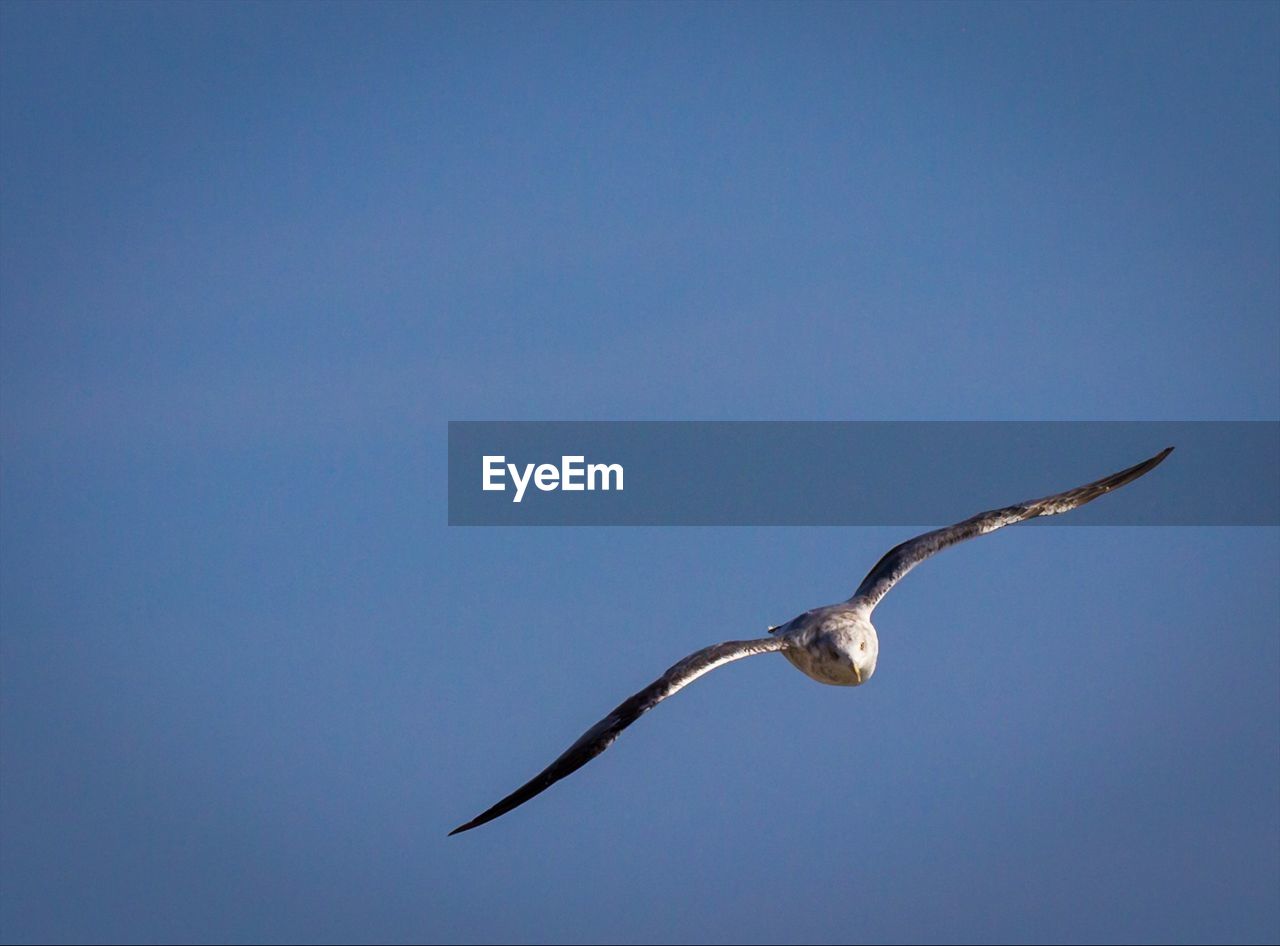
{"points": [[254, 257]]}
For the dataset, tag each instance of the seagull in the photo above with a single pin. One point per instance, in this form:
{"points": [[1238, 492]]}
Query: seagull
{"points": [[836, 644]]}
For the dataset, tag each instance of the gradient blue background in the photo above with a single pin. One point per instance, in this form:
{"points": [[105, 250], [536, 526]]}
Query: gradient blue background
{"points": [[253, 258]]}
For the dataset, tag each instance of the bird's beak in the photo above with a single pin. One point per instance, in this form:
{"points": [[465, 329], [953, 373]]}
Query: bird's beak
{"points": [[857, 674]]}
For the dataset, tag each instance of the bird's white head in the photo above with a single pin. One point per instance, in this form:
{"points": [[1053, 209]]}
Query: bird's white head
{"points": [[862, 650]]}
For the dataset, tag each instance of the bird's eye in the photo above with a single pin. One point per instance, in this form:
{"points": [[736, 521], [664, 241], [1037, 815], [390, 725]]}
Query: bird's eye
{"points": [[862, 646]]}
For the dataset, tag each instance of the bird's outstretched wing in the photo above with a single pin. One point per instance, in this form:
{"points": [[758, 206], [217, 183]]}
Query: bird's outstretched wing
{"points": [[600, 736], [900, 560]]}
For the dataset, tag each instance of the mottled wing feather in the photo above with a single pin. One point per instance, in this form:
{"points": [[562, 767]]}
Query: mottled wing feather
{"points": [[600, 736], [900, 560]]}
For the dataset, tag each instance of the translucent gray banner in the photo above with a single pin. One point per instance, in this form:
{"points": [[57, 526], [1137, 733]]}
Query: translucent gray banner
{"points": [[535, 473]]}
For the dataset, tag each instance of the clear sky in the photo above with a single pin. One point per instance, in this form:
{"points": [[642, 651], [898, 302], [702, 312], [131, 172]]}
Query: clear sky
{"points": [[253, 257]]}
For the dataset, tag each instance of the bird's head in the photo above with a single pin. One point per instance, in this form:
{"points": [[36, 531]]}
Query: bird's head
{"points": [[860, 648]]}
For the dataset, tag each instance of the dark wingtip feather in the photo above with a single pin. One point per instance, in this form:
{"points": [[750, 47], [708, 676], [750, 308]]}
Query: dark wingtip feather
{"points": [[1128, 476], [473, 823], [1157, 459]]}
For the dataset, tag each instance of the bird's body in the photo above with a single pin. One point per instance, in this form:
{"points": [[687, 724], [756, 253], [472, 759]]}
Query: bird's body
{"points": [[835, 644]]}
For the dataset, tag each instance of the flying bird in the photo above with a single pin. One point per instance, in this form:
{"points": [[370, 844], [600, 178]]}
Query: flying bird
{"points": [[835, 644]]}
